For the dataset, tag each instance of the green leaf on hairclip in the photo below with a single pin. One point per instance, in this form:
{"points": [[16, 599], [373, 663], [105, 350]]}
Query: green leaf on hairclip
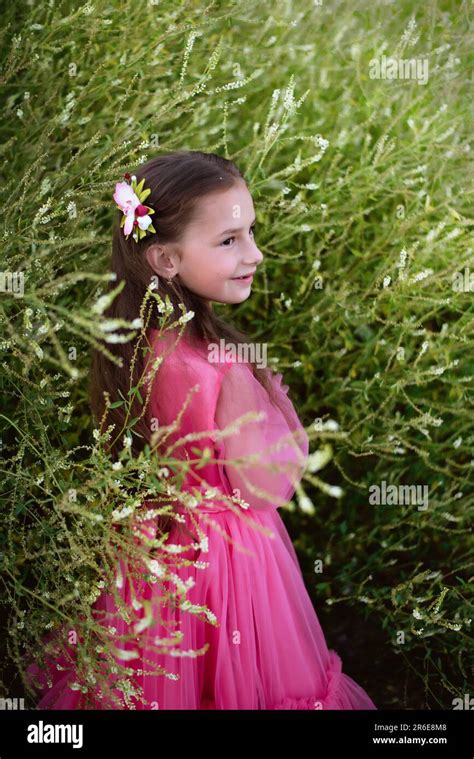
{"points": [[143, 196], [139, 188]]}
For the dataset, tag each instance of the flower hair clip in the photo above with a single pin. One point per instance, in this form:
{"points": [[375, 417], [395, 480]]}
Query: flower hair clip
{"points": [[136, 218]]}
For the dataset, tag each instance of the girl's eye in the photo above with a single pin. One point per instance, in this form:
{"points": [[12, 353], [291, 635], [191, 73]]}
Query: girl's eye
{"points": [[252, 228]]}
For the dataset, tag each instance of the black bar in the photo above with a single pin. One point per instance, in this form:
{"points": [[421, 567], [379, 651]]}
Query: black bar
{"points": [[149, 733]]}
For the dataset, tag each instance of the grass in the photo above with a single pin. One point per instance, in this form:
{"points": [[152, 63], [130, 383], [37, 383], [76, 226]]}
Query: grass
{"points": [[363, 194]]}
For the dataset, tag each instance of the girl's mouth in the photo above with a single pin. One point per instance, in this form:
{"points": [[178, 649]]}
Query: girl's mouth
{"points": [[245, 280]]}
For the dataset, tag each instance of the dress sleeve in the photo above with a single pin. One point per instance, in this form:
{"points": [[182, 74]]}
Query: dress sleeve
{"points": [[187, 377], [271, 479]]}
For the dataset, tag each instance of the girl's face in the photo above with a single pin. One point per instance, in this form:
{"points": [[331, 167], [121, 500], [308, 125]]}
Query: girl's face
{"points": [[217, 247]]}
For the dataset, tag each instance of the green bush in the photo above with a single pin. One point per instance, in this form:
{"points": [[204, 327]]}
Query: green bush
{"points": [[365, 297]]}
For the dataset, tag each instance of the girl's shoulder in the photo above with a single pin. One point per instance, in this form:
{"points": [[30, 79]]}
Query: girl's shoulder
{"points": [[198, 375], [184, 374], [198, 360], [181, 353]]}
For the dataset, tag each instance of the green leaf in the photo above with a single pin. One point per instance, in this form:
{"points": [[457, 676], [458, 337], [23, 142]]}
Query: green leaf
{"points": [[116, 404]]}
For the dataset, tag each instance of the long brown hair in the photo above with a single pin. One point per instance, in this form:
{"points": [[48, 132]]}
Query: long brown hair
{"points": [[177, 180]]}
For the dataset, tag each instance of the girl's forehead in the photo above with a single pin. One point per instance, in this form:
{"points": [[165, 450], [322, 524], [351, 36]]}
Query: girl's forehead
{"points": [[221, 209]]}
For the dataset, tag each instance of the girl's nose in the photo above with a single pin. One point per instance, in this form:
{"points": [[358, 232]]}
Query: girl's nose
{"points": [[254, 255]]}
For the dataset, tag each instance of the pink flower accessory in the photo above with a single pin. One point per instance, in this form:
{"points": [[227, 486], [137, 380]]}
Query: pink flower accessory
{"points": [[129, 197]]}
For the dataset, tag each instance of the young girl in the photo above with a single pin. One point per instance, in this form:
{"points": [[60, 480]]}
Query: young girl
{"points": [[191, 237]]}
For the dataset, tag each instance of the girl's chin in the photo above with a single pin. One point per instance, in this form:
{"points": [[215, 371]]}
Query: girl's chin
{"points": [[235, 293], [230, 299]]}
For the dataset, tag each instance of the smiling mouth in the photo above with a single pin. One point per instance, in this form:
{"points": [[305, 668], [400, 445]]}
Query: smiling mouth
{"points": [[247, 278]]}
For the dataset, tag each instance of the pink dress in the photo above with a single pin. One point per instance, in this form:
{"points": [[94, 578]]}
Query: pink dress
{"points": [[265, 646]]}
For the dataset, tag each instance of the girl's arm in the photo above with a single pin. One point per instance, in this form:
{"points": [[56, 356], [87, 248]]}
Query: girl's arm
{"points": [[276, 472]]}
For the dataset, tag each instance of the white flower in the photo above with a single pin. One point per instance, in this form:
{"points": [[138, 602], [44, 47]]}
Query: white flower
{"points": [[305, 504], [126, 655], [319, 459], [125, 512], [321, 142], [403, 258], [156, 568], [186, 317], [424, 347], [421, 275], [108, 325]]}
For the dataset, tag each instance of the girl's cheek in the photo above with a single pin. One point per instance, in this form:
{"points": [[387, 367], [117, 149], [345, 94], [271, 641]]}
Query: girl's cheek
{"points": [[219, 267]]}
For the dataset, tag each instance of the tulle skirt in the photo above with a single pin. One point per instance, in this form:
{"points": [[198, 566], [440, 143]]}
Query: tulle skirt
{"points": [[265, 646]]}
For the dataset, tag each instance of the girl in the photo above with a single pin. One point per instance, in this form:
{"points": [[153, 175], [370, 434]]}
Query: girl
{"points": [[186, 226]]}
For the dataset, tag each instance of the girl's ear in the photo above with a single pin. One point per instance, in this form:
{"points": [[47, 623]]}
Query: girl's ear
{"points": [[160, 261]]}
